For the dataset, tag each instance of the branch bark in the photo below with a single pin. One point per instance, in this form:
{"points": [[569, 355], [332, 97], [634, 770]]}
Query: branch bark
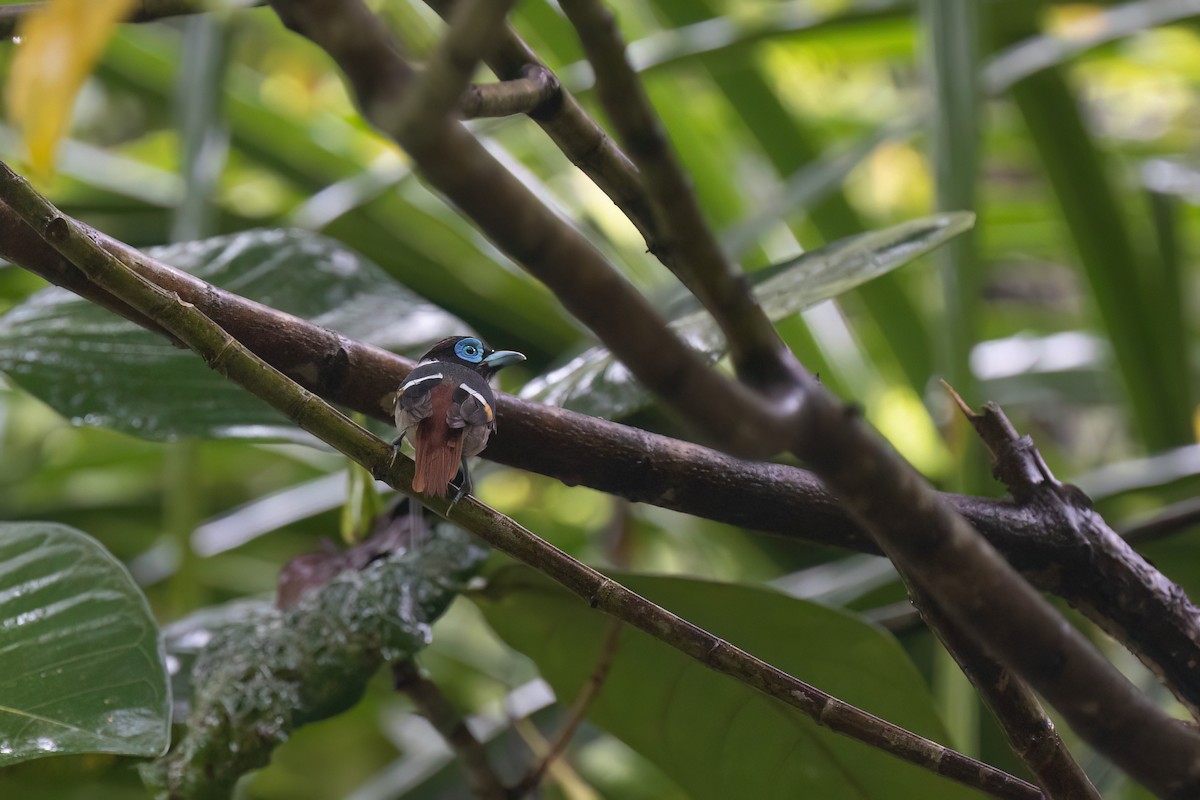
{"points": [[1029, 731], [227, 356]]}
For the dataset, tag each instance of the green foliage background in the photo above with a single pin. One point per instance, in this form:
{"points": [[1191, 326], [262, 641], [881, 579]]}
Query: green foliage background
{"points": [[800, 123]]}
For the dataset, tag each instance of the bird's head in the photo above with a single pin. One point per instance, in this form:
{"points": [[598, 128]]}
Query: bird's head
{"points": [[471, 352]]}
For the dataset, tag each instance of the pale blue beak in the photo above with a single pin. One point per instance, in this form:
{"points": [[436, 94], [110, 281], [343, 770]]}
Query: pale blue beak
{"points": [[502, 358]]}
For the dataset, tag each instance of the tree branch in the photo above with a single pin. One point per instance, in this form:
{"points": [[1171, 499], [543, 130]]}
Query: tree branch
{"points": [[427, 107], [535, 89], [608, 651], [1030, 733], [937, 551], [227, 356], [577, 135], [1106, 579], [433, 705], [759, 355]]}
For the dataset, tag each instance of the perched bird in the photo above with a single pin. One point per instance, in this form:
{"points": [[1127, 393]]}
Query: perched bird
{"points": [[446, 408]]}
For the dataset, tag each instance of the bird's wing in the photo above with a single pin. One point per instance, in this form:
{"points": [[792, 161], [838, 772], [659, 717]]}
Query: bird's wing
{"points": [[470, 408], [414, 399]]}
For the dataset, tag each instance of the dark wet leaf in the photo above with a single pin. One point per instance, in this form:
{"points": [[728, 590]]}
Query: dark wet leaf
{"points": [[258, 673], [98, 369], [715, 736], [595, 383], [82, 665]]}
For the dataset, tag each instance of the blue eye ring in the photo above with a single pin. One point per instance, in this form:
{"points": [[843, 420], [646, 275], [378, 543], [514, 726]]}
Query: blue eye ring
{"points": [[469, 349]]}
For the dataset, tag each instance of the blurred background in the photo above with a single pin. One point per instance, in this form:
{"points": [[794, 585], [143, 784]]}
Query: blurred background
{"points": [[1071, 130]]}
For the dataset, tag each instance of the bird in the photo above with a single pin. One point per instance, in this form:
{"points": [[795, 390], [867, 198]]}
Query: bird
{"points": [[447, 410]]}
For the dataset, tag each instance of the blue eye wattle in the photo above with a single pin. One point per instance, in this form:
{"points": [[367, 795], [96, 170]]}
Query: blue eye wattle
{"points": [[469, 350]]}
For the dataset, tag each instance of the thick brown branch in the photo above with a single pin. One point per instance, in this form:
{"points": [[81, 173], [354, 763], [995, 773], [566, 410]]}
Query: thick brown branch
{"points": [[759, 356], [457, 165], [937, 551]]}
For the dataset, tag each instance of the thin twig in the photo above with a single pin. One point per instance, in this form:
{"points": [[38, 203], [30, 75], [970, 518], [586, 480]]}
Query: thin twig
{"points": [[1029, 731], [1111, 584], [429, 104], [525, 95], [433, 705], [1173, 519], [578, 136], [587, 694], [759, 355], [227, 356]]}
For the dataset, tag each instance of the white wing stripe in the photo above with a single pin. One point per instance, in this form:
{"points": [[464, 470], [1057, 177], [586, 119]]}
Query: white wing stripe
{"points": [[482, 400], [409, 384]]}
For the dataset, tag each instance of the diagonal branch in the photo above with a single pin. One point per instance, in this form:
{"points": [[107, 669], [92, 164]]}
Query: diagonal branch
{"points": [[759, 355], [227, 356], [429, 104], [583, 701], [456, 164], [1030, 733], [433, 705], [1108, 581], [579, 137], [937, 551]]}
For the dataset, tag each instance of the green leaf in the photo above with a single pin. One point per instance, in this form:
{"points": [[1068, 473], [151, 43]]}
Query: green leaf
{"points": [[715, 736], [83, 665], [595, 383], [260, 673], [98, 369]]}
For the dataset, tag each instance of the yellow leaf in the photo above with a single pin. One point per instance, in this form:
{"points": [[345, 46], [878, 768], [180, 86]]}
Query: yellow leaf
{"points": [[60, 41]]}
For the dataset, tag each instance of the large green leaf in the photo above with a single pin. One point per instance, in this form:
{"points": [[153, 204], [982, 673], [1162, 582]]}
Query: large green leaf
{"points": [[595, 383], [257, 673], [98, 369], [83, 666], [715, 736]]}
